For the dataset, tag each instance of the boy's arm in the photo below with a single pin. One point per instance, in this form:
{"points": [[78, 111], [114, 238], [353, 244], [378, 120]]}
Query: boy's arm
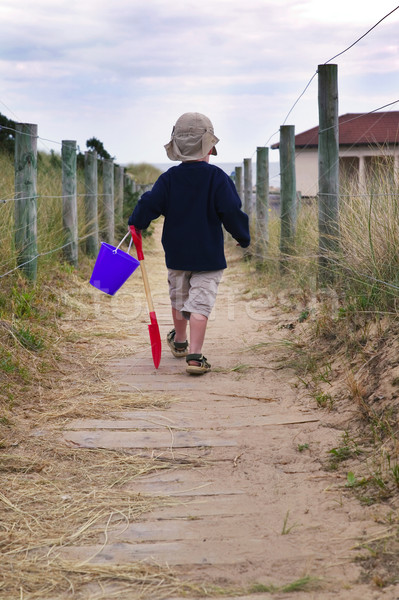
{"points": [[149, 207], [234, 220]]}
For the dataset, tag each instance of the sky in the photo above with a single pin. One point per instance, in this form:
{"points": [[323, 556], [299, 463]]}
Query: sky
{"points": [[124, 71]]}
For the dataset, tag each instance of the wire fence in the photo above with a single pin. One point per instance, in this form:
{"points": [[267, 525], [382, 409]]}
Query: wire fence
{"points": [[51, 208]]}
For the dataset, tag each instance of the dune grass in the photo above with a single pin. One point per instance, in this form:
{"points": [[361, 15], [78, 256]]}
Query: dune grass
{"points": [[366, 268]]}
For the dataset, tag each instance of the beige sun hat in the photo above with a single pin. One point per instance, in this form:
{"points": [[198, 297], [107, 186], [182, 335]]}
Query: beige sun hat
{"points": [[192, 138]]}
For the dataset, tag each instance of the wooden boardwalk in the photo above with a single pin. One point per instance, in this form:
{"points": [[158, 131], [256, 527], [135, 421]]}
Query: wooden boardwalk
{"points": [[243, 504]]}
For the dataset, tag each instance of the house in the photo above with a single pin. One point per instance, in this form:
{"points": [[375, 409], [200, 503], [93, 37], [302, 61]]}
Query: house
{"points": [[366, 141]]}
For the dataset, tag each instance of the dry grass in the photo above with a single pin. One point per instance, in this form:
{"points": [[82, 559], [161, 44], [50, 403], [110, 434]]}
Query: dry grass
{"points": [[56, 497], [370, 233], [144, 173], [366, 267], [298, 270], [62, 580]]}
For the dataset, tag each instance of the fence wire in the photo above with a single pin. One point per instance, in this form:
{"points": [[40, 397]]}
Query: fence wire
{"points": [[40, 254]]}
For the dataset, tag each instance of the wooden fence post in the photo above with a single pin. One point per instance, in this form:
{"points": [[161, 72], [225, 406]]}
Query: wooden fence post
{"points": [[26, 198], [248, 201], [328, 171], [262, 202], [238, 181], [119, 192], [129, 185], [126, 184], [69, 201], [287, 191], [91, 203], [108, 201]]}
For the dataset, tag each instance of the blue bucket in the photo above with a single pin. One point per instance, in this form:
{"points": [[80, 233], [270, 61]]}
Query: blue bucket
{"points": [[112, 268]]}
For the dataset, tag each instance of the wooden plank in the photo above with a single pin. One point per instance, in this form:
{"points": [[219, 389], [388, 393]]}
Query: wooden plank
{"points": [[149, 439], [139, 420], [182, 489], [213, 552]]}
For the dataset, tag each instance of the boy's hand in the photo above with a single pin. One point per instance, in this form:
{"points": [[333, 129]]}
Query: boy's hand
{"points": [[136, 235]]}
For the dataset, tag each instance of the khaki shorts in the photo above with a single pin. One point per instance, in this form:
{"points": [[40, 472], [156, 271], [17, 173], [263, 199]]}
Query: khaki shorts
{"points": [[193, 291]]}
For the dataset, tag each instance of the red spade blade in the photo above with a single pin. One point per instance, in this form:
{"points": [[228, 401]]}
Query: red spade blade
{"points": [[155, 338]]}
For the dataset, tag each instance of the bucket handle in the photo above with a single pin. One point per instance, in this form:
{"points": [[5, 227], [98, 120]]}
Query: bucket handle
{"points": [[121, 242]]}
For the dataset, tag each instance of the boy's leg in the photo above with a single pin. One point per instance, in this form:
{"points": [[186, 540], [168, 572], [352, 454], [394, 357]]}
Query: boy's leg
{"points": [[198, 325], [203, 289], [180, 324], [178, 291]]}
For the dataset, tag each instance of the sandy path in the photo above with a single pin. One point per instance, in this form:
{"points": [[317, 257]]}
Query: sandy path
{"points": [[255, 508]]}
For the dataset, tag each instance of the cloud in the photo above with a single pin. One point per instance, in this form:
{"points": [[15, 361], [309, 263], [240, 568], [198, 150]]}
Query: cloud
{"points": [[124, 71]]}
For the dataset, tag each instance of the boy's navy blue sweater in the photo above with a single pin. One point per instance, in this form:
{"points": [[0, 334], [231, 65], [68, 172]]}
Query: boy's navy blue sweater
{"points": [[195, 198]]}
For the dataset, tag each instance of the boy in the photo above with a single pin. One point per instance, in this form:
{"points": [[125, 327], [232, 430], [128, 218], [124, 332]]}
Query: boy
{"points": [[196, 199]]}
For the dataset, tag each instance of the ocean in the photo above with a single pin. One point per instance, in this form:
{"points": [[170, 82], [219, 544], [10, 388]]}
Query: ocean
{"points": [[229, 168]]}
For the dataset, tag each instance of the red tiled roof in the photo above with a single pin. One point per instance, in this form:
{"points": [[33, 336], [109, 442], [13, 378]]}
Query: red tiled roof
{"points": [[357, 129]]}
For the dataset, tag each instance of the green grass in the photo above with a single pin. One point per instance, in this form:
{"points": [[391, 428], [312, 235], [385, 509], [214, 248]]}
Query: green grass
{"points": [[349, 448], [302, 447], [7, 363], [241, 368], [324, 400], [302, 584], [29, 339], [287, 528]]}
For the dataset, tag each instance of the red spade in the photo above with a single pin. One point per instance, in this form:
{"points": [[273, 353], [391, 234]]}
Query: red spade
{"points": [[155, 337]]}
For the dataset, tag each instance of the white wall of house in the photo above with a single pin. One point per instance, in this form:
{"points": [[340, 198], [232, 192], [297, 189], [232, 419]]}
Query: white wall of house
{"points": [[307, 171], [307, 166]]}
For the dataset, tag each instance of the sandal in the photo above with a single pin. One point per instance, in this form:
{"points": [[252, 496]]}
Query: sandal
{"points": [[178, 349], [201, 367]]}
